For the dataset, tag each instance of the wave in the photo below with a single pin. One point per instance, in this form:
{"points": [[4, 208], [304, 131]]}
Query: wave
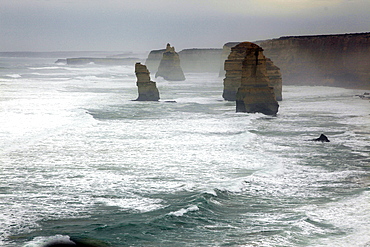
{"points": [[14, 75], [183, 211]]}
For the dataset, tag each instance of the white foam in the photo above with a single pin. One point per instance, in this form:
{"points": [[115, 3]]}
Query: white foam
{"points": [[352, 215], [14, 75], [42, 240], [183, 211], [140, 204]]}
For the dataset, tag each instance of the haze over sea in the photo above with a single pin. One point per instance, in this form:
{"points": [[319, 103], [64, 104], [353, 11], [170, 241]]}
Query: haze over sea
{"points": [[79, 159]]}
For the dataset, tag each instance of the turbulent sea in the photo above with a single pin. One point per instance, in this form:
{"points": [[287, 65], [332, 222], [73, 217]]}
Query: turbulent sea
{"points": [[80, 160]]}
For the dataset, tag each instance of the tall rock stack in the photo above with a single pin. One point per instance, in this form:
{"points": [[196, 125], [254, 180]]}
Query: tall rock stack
{"points": [[147, 89], [233, 77], [169, 67], [254, 94]]}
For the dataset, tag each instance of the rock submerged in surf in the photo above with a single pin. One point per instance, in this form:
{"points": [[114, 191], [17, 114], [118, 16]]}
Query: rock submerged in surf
{"points": [[322, 138]]}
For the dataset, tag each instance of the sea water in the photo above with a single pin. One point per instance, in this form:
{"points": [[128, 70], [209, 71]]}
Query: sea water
{"points": [[81, 160]]}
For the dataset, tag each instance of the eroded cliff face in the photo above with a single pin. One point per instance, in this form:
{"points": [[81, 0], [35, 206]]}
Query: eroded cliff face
{"points": [[232, 66], [147, 89], [327, 60], [254, 94], [169, 67]]}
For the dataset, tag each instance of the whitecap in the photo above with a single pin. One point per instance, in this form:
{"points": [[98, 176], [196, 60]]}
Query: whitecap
{"points": [[183, 211], [137, 204], [14, 75], [42, 240]]}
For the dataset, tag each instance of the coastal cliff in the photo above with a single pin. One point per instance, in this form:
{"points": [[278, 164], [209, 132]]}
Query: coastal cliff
{"points": [[326, 60]]}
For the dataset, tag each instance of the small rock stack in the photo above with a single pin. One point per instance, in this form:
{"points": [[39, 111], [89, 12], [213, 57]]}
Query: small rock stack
{"points": [[169, 67]]}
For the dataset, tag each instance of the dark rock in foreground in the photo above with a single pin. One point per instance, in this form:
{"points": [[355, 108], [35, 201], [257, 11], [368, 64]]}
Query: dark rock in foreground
{"points": [[322, 138]]}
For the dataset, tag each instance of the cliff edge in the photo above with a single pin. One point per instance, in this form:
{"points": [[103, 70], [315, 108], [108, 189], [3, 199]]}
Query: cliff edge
{"points": [[326, 60]]}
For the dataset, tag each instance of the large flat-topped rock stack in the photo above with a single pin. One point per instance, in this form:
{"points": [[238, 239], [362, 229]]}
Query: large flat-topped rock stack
{"points": [[254, 93], [169, 67], [147, 89], [232, 83]]}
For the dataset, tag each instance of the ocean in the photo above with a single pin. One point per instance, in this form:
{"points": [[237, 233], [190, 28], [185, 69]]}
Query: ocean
{"points": [[79, 159]]}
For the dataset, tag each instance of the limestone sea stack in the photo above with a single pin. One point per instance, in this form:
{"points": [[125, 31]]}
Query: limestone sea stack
{"points": [[147, 89], [169, 67], [232, 81], [254, 94]]}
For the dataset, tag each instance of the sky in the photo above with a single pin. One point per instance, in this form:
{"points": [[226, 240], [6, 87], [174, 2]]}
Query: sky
{"points": [[144, 25]]}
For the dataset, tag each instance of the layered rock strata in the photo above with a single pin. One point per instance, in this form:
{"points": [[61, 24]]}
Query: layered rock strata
{"points": [[169, 67], [147, 89], [232, 83], [254, 94], [326, 60]]}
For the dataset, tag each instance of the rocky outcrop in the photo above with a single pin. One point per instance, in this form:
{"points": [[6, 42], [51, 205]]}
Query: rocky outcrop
{"points": [[232, 83], [247, 61], [147, 89], [326, 60], [322, 138], [169, 67]]}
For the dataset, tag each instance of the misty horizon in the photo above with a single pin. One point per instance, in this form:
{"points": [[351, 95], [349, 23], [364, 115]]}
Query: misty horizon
{"points": [[49, 26]]}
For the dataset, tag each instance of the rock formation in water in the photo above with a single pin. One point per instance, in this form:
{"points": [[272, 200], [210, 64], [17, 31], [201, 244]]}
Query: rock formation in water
{"points": [[232, 82], [147, 89], [247, 62], [322, 138], [326, 60], [169, 67]]}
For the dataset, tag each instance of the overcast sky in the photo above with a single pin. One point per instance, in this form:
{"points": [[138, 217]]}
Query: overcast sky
{"points": [[143, 25]]}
